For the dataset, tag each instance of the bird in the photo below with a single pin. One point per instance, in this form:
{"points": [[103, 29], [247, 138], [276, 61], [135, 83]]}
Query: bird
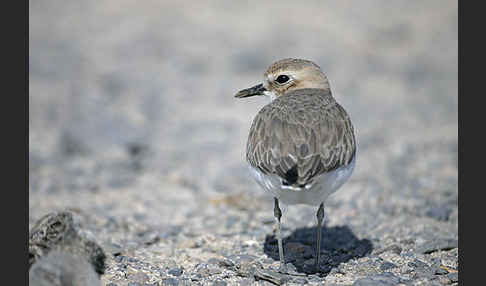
{"points": [[301, 146]]}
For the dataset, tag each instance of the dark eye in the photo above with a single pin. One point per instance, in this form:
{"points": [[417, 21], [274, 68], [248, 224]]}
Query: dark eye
{"points": [[282, 79]]}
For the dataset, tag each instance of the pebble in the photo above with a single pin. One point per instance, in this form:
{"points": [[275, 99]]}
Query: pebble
{"points": [[454, 277], [62, 269], [417, 264], [170, 282], [221, 262], [58, 230], [387, 265], [386, 279], [436, 245], [440, 271], [175, 271]]}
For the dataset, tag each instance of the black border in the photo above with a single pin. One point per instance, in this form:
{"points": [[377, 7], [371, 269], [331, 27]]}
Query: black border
{"points": [[15, 127], [470, 93]]}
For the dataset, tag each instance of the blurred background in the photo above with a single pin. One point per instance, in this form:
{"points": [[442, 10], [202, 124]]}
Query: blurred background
{"points": [[132, 115]]}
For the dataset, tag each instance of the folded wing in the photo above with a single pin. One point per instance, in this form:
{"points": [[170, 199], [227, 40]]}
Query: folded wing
{"points": [[301, 135]]}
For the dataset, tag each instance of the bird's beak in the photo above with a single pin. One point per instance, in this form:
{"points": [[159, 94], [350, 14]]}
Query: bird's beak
{"points": [[252, 91]]}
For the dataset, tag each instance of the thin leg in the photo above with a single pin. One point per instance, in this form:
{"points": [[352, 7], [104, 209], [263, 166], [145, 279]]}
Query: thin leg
{"points": [[320, 217], [278, 214]]}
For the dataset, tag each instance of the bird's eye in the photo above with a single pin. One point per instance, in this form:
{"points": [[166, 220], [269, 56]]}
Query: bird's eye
{"points": [[282, 79]]}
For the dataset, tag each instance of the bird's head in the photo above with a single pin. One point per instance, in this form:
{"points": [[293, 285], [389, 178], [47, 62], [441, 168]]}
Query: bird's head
{"points": [[287, 75]]}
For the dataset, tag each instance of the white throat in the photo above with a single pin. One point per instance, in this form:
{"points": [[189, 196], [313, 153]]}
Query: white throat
{"points": [[270, 94]]}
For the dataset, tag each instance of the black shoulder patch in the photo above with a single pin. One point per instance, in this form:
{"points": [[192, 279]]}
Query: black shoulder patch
{"points": [[291, 176]]}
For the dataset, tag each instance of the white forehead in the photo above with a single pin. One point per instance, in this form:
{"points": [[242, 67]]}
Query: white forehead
{"points": [[266, 80]]}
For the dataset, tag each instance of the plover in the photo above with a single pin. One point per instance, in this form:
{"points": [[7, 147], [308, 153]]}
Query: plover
{"points": [[301, 147]]}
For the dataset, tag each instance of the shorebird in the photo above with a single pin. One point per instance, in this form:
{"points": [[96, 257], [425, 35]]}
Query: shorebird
{"points": [[301, 146]]}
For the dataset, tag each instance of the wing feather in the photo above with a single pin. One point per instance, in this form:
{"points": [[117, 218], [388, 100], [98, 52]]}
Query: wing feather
{"points": [[304, 132]]}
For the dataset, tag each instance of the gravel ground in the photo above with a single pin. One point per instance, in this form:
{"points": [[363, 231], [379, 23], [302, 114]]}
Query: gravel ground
{"points": [[135, 134]]}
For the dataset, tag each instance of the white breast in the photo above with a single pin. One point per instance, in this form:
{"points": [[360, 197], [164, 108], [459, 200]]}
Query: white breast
{"points": [[323, 185]]}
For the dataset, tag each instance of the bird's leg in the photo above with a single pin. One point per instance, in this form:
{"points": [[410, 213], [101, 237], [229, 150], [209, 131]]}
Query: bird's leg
{"points": [[278, 214], [320, 217]]}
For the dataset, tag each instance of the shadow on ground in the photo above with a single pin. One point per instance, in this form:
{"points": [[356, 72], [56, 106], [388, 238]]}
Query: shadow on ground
{"points": [[338, 245]]}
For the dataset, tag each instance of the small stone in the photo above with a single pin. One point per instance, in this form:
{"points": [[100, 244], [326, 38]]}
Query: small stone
{"points": [[271, 276], [183, 282], [196, 277], [208, 269], [453, 277], [444, 280], [175, 271], [387, 265], [170, 282], [300, 281], [436, 245], [440, 271], [417, 264], [58, 267], [386, 279], [221, 262], [61, 231], [314, 278]]}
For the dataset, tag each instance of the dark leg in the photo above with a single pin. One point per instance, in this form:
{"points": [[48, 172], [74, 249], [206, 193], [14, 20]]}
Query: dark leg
{"points": [[320, 217], [278, 214]]}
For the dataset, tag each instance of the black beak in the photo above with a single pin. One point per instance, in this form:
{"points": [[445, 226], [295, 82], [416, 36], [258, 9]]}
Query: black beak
{"points": [[252, 91]]}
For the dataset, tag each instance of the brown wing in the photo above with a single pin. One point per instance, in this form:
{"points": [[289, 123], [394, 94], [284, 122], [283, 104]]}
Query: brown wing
{"points": [[301, 135]]}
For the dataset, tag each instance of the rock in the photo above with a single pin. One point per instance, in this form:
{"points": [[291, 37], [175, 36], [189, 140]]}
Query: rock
{"points": [[421, 269], [417, 264], [453, 277], [440, 271], [387, 265], [59, 231], [444, 280], [436, 245], [226, 263], [386, 279], [271, 276], [170, 282], [175, 271], [62, 269], [300, 281]]}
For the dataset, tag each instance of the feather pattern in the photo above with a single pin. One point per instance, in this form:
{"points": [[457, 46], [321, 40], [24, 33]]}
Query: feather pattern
{"points": [[301, 135]]}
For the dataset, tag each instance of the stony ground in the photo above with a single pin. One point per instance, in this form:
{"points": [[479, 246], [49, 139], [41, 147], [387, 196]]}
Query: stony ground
{"points": [[134, 130]]}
